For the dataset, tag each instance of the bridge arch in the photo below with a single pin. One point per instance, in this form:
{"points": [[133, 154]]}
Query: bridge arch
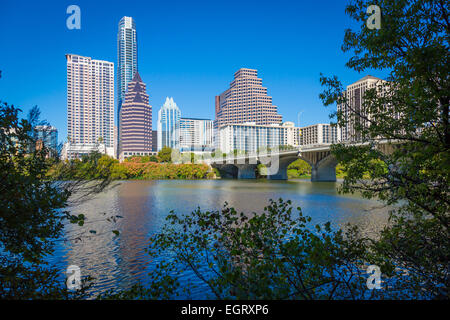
{"points": [[324, 170], [227, 170], [278, 169], [322, 162], [308, 161]]}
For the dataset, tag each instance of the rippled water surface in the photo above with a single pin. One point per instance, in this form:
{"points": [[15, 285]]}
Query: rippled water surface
{"points": [[118, 262]]}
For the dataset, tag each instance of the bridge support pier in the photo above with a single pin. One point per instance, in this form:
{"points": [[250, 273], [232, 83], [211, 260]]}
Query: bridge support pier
{"points": [[323, 173], [278, 169], [323, 167], [246, 171], [280, 175], [227, 170]]}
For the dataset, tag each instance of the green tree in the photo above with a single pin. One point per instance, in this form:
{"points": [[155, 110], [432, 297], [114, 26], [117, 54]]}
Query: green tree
{"points": [[165, 155], [411, 111], [118, 172], [261, 170], [271, 255], [299, 168], [275, 255], [104, 166], [340, 173], [32, 211]]}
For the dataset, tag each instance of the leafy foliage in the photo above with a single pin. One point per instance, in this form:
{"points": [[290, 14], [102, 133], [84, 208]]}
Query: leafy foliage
{"points": [[97, 166], [165, 155], [32, 214], [273, 255], [299, 169], [411, 112], [276, 254]]}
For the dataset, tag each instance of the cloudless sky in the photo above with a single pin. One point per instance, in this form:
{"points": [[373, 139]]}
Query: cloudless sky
{"points": [[188, 50]]}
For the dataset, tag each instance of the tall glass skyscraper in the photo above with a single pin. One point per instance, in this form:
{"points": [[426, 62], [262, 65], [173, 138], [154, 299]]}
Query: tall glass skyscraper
{"points": [[169, 117], [127, 65]]}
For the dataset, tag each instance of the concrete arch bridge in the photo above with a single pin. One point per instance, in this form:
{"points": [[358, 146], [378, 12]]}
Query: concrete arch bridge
{"points": [[323, 164], [319, 157]]}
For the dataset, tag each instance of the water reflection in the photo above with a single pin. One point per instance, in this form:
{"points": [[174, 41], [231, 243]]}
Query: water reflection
{"points": [[118, 262]]}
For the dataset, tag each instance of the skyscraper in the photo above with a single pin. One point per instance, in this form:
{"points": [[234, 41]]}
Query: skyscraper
{"points": [[245, 101], [127, 65], [169, 117], [90, 101], [355, 104], [135, 121]]}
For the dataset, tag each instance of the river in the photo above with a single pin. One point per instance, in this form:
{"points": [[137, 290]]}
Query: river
{"points": [[118, 262]]}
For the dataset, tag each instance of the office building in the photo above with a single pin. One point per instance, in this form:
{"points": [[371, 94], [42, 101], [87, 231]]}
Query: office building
{"points": [[246, 101], [169, 117], [135, 121], [72, 151], [196, 134], [319, 134], [48, 135], [251, 137], [154, 141], [90, 102]]}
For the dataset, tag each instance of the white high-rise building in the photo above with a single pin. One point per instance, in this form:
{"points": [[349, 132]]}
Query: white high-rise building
{"points": [[90, 101], [250, 137], [321, 133], [169, 117], [196, 134]]}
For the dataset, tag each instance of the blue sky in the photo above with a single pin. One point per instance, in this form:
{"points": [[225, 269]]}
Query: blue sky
{"points": [[188, 50]]}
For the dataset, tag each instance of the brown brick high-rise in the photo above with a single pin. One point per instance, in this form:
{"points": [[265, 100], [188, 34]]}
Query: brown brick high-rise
{"points": [[135, 121]]}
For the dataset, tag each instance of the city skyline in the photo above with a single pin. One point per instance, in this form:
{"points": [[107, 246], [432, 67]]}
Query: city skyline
{"points": [[301, 154], [292, 75]]}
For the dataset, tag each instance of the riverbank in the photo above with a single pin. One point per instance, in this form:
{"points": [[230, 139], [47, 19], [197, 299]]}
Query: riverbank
{"points": [[104, 167]]}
